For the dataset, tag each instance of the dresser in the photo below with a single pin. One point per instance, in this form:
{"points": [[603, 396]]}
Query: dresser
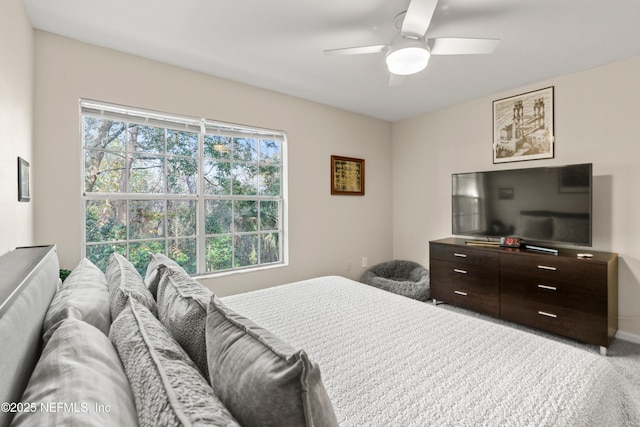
{"points": [[562, 294]]}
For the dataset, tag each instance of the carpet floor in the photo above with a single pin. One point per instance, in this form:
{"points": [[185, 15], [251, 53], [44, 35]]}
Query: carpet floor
{"points": [[623, 355]]}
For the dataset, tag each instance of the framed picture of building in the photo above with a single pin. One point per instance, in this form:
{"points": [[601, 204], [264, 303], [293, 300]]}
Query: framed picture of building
{"points": [[523, 127]]}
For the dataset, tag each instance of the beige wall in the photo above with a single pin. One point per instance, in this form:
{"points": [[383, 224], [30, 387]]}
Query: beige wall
{"points": [[596, 121], [596, 112], [324, 231], [16, 112]]}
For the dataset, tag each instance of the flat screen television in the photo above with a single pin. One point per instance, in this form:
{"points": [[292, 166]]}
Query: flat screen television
{"points": [[542, 204]]}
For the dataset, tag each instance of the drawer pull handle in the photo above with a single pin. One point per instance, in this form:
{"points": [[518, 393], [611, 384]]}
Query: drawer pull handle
{"points": [[459, 255], [457, 270], [464, 294], [549, 288], [546, 267], [544, 313]]}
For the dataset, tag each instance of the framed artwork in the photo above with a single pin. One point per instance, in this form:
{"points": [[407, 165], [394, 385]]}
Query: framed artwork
{"points": [[23, 180], [347, 176], [523, 127]]}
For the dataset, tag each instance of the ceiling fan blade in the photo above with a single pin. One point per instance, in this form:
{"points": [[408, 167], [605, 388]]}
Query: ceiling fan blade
{"points": [[357, 50], [395, 79], [418, 17], [462, 46]]}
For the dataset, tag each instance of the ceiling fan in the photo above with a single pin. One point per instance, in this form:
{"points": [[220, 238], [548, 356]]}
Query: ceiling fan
{"points": [[409, 51]]}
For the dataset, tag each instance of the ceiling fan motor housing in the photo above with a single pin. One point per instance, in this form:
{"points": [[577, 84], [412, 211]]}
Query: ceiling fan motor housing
{"points": [[408, 54]]}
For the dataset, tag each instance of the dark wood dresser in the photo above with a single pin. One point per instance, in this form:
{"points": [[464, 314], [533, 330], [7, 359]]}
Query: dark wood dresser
{"points": [[562, 294]]}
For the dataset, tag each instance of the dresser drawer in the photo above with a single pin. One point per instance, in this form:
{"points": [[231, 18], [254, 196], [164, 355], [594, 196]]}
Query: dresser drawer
{"points": [[576, 296], [474, 287], [462, 254], [558, 320], [482, 278], [478, 301], [567, 283], [590, 275]]}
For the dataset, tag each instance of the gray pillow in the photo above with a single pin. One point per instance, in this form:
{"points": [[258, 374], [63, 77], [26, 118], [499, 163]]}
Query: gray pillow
{"points": [[125, 282], [79, 368], [84, 296], [182, 308], [152, 277], [167, 387], [261, 379]]}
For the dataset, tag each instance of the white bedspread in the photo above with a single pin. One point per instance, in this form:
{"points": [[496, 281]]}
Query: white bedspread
{"points": [[387, 360]]}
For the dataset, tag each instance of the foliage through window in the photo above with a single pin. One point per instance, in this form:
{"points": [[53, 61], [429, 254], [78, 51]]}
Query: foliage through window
{"points": [[207, 194]]}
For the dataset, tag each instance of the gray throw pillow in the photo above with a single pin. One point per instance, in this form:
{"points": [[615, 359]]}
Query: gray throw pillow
{"points": [[261, 379], [182, 308], [125, 282], [152, 277], [84, 296], [167, 387], [80, 381]]}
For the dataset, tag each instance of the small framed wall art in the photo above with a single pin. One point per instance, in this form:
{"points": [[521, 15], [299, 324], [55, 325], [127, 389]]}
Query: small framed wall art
{"points": [[23, 180], [347, 176], [523, 127]]}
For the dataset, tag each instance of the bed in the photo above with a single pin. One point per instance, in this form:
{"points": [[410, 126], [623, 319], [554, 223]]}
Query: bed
{"points": [[380, 359]]}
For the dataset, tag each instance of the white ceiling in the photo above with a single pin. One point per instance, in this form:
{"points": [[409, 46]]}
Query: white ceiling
{"points": [[278, 44]]}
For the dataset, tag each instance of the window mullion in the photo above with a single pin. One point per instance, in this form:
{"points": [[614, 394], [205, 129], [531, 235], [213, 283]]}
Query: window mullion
{"points": [[259, 228], [127, 218], [165, 179], [127, 214], [201, 239], [233, 233]]}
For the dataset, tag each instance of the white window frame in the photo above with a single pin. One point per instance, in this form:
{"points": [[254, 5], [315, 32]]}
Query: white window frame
{"points": [[202, 126]]}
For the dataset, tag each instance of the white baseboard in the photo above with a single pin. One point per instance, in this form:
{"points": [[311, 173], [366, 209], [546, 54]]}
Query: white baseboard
{"points": [[626, 336]]}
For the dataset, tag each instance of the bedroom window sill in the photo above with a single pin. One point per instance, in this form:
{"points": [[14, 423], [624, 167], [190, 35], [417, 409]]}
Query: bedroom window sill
{"points": [[239, 271]]}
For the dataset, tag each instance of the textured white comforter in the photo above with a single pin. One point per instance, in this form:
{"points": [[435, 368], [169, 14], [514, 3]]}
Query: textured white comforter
{"points": [[387, 360]]}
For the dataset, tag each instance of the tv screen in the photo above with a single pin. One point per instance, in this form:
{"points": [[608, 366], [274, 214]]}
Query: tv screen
{"points": [[545, 204]]}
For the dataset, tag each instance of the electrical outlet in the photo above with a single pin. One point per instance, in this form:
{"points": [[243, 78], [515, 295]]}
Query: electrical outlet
{"points": [[365, 262], [348, 265]]}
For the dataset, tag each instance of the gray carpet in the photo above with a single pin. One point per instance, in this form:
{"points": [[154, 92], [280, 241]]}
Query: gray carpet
{"points": [[623, 355]]}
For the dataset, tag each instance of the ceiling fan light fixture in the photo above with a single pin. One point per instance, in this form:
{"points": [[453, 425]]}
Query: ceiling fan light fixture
{"points": [[408, 55]]}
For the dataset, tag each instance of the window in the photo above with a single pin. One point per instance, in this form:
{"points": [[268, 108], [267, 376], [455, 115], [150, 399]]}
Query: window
{"points": [[209, 195]]}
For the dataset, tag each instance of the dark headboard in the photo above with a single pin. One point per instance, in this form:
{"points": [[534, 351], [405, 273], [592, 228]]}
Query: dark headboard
{"points": [[28, 281]]}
